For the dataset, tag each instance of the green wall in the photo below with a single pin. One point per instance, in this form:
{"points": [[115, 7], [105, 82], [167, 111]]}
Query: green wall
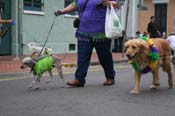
{"points": [[36, 27], [15, 45]]}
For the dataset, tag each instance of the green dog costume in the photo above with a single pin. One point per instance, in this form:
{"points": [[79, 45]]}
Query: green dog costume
{"points": [[43, 64]]}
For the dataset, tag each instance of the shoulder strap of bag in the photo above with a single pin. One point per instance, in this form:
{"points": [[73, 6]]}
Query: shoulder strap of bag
{"points": [[84, 8]]}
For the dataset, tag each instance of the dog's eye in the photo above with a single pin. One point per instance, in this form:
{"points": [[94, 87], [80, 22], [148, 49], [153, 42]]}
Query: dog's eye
{"points": [[134, 47]]}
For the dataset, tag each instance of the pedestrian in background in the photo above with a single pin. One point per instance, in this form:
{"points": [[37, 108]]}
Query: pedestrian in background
{"points": [[171, 41], [153, 29], [3, 22], [91, 34], [138, 34], [3, 32], [145, 34]]}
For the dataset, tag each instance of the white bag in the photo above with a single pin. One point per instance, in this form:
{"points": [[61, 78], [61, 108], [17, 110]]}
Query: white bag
{"points": [[113, 28]]}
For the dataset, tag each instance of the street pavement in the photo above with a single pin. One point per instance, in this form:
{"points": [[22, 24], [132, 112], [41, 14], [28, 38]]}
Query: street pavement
{"points": [[92, 100]]}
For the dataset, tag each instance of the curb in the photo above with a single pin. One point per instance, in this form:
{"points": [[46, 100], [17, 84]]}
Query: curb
{"points": [[116, 61], [91, 63]]}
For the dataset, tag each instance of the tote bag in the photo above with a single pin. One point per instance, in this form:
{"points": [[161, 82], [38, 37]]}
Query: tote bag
{"points": [[113, 28]]}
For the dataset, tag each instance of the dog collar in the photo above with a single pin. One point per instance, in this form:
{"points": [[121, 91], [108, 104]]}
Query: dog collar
{"points": [[153, 56]]}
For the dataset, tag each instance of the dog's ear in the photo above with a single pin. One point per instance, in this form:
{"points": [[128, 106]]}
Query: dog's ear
{"points": [[144, 48], [33, 61], [26, 60], [34, 55], [143, 44], [30, 62]]}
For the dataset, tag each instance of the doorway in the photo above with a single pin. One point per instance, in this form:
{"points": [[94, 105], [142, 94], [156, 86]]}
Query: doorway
{"points": [[161, 17], [5, 13]]}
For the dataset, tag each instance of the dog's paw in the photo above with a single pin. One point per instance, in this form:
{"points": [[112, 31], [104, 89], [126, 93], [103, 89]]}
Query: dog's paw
{"points": [[135, 91], [170, 84], [156, 84], [30, 86], [36, 88], [48, 81], [153, 87]]}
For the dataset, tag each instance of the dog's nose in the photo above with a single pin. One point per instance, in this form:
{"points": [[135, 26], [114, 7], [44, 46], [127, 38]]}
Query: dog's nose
{"points": [[22, 67]]}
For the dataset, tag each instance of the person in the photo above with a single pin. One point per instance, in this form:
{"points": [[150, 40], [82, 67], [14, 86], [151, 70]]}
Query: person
{"points": [[3, 22], [91, 34], [171, 41], [145, 34], [137, 34], [153, 29], [3, 31]]}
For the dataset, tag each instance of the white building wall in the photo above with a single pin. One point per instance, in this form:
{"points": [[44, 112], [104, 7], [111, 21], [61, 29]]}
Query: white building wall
{"points": [[132, 17]]}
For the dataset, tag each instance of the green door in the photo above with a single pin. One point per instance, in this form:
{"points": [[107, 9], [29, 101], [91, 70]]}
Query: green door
{"points": [[5, 42], [161, 17]]}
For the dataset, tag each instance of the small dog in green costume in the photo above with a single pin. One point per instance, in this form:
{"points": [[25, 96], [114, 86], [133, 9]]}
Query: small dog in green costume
{"points": [[42, 64]]}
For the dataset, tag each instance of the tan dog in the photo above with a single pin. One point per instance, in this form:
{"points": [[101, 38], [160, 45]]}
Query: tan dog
{"points": [[137, 50]]}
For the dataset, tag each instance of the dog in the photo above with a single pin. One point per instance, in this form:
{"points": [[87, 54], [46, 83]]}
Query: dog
{"points": [[137, 51], [42, 64], [35, 49]]}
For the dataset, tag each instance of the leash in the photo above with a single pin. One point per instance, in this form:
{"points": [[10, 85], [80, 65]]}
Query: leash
{"points": [[47, 36]]}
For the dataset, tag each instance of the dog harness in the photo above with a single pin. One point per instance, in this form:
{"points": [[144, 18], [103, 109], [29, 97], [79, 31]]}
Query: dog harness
{"points": [[43, 64], [153, 56]]}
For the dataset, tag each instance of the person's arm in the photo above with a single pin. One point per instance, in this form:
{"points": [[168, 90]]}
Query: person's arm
{"points": [[158, 32], [5, 21], [71, 7], [156, 29], [109, 2], [149, 28], [68, 9]]}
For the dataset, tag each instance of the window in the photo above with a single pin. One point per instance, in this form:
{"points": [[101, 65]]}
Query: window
{"points": [[2, 5], [33, 5], [72, 47], [67, 2]]}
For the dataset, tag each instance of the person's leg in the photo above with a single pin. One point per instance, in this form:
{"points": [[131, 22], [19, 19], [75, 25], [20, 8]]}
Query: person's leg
{"points": [[173, 54], [83, 61], [105, 58]]}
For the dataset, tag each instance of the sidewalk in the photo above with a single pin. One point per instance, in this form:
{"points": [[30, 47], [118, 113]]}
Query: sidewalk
{"points": [[11, 64]]}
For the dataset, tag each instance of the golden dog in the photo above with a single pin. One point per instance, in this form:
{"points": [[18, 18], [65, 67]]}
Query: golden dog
{"points": [[138, 50]]}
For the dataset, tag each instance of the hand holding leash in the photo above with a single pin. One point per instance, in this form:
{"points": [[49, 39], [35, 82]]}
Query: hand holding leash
{"points": [[106, 2], [57, 12], [5, 29]]}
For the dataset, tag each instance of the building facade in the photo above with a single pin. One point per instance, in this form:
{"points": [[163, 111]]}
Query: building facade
{"points": [[163, 10], [33, 21]]}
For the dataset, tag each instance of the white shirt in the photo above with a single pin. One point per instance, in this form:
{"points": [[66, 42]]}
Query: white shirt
{"points": [[171, 41]]}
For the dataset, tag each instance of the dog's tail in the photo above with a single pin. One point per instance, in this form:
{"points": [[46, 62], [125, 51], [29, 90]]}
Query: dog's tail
{"points": [[62, 58], [65, 53]]}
